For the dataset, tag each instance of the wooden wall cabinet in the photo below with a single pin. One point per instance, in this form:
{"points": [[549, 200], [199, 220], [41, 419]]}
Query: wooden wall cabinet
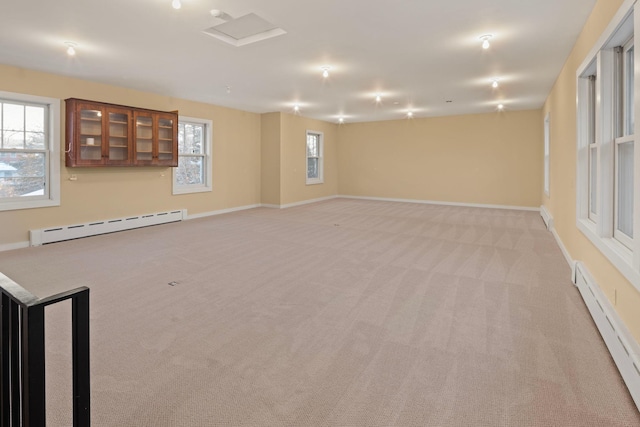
{"points": [[100, 134]]}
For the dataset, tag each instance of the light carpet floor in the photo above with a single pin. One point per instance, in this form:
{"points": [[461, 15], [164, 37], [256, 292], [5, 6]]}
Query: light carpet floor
{"points": [[340, 313]]}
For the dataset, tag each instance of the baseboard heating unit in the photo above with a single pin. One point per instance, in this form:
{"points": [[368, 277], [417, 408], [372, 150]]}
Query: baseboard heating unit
{"points": [[76, 231], [621, 344]]}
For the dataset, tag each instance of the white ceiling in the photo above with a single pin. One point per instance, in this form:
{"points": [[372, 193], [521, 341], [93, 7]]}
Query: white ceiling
{"points": [[417, 53]]}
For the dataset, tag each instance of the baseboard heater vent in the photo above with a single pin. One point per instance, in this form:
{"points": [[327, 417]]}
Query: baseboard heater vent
{"points": [[76, 231], [623, 347]]}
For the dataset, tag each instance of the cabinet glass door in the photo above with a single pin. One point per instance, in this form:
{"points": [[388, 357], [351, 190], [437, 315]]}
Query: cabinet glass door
{"points": [[118, 126], [165, 139], [144, 138], [90, 134]]}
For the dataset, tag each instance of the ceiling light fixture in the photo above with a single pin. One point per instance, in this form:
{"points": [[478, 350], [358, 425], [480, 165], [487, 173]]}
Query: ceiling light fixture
{"points": [[378, 97], [500, 107], [341, 120], [176, 4], [410, 114], [485, 40], [296, 108], [71, 48], [325, 70], [494, 84]]}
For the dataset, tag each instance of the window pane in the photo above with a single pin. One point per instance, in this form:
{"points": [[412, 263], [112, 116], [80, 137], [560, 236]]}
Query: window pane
{"points": [[13, 117], [190, 138], [22, 174], [593, 179], [312, 168], [13, 139], [312, 145], [625, 188], [190, 170], [34, 119], [34, 140], [180, 138]]}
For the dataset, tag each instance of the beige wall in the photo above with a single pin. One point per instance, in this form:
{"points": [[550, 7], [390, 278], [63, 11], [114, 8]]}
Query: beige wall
{"points": [[270, 153], [102, 193], [561, 104], [491, 158]]}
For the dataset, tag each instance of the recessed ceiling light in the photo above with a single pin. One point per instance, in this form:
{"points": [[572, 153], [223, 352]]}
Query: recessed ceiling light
{"points": [[378, 97], [325, 70], [340, 120], [485, 40], [176, 4], [494, 83], [296, 107], [410, 114], [500, 107], [71, 48]]}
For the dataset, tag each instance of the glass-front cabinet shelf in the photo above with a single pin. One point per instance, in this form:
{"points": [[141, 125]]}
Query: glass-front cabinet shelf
{"points": [[100, 134]]}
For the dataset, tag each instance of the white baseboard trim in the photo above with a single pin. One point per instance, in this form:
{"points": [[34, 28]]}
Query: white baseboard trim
{"points": [[12, 246], [546, 217], [221, 211], [435, 202], [548, 220], [304, 202], [624, 349], [572, 263]]}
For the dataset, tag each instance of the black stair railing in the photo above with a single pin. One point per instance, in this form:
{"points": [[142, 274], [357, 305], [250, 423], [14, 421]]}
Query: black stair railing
{"points": [[22, 355]]}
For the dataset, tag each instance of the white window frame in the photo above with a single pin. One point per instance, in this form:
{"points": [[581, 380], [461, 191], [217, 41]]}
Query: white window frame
{"points": [[622, 135], [601, 61], [320, 178], [207, 185], [547, 165], [51, 196]]}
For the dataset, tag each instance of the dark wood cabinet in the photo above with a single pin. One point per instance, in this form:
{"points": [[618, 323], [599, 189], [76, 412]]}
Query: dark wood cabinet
{"points": [[100, 134]]}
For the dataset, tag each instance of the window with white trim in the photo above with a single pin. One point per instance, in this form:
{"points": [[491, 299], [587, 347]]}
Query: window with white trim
{"points": [[607, 211], [29, 151], [315, 142], [546, 154], [193, 174]]}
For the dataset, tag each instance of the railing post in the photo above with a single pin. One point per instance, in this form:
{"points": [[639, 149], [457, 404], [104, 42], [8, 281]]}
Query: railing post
{"points": [[81, 383], [14, 356], [5, 366], [33, 390], [22, 355]]}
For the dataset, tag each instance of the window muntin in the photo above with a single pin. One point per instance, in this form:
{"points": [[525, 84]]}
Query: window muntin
{"points": [[193, 173], [314, 157], [29, 141]]}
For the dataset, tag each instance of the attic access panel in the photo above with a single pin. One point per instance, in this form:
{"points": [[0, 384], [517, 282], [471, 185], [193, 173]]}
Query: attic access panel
{"points": [[245, 30]]}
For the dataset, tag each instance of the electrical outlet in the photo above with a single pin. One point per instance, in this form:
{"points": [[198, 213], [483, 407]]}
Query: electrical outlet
{"points": [[73, 177]]}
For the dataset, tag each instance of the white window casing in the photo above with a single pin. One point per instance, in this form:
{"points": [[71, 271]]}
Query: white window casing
{"points": [[546, 165], [34, 134], [194, 171], [314, 157]]}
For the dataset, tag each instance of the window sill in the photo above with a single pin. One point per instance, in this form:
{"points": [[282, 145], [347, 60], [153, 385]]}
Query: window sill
{"points": [[619, 255], [315, 181], [31, 204]]}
